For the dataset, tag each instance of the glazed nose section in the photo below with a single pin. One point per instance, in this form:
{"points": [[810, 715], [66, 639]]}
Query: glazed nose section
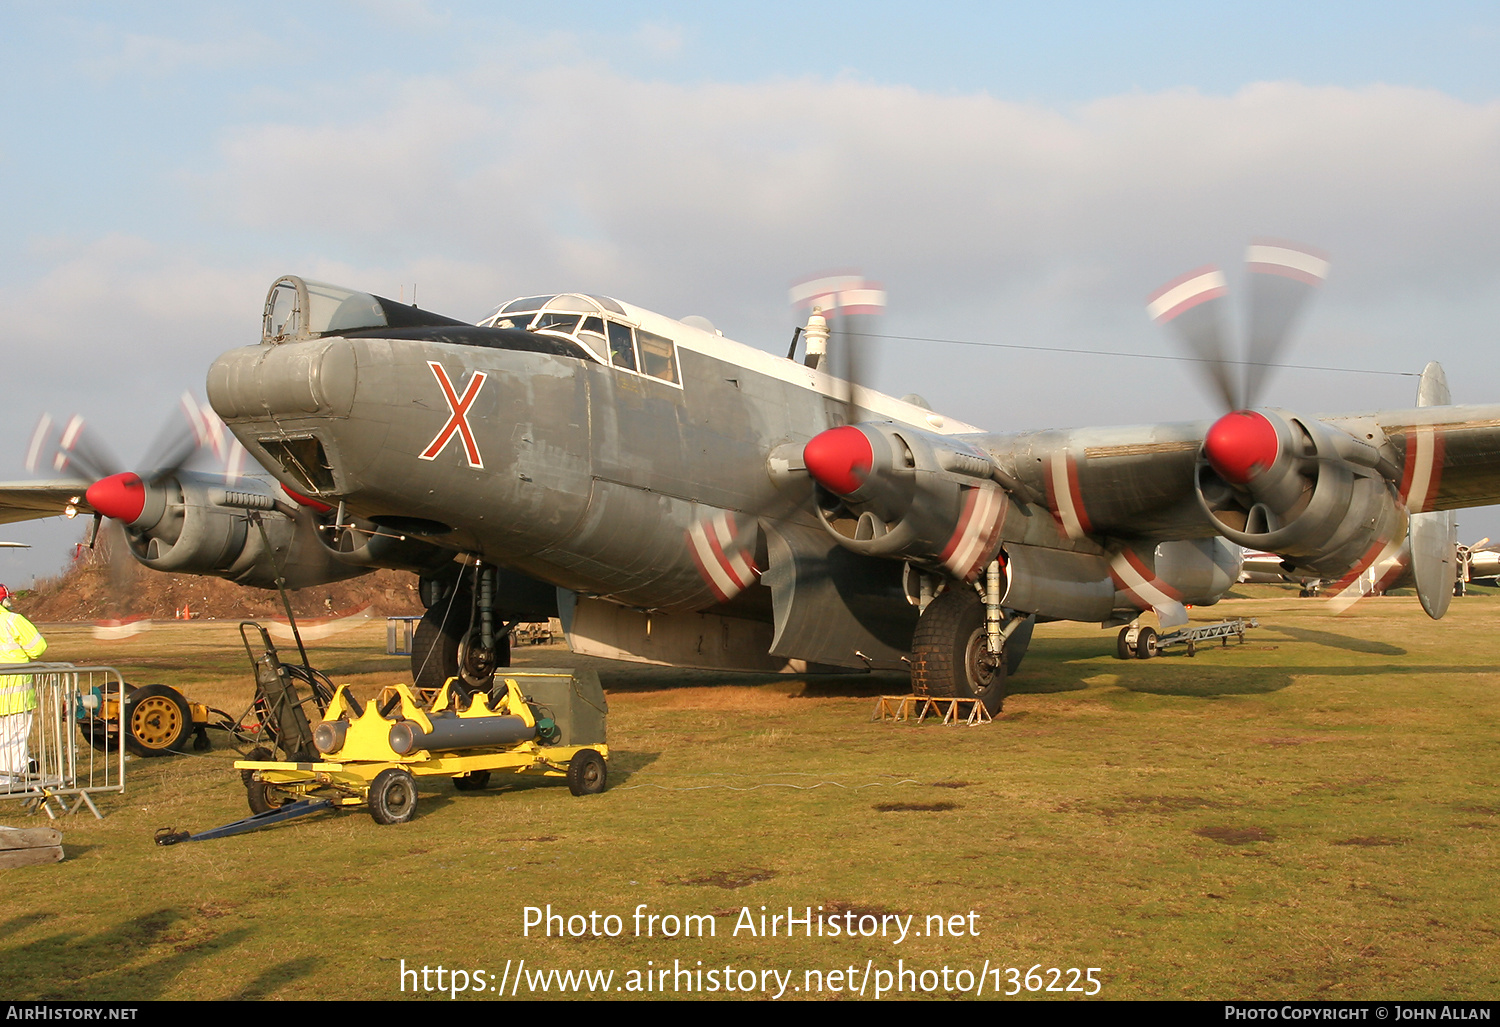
{"points": [[120, 496], [839, 459], [1241, 446]]}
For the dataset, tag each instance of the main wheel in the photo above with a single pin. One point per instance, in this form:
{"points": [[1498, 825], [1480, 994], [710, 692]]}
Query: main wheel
{"points": [[156, 720], [434, 645], [476, 664], [587, 774], [473, 781], [950, 651], [393, 796], [444, 646], [1145, 644]]}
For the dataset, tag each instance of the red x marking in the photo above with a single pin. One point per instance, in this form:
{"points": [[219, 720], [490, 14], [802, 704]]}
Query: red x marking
{"points": [[459, 419]]}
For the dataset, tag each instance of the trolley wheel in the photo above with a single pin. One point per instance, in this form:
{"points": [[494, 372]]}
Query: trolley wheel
{"points": [[1145, 644], [1192, 648], [393, 796], [473, 781], [587, 774], [156, 720], [260, 752], [1123, 651], [262, 797]]}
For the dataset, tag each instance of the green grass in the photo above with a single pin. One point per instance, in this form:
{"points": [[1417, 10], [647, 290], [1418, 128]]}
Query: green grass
{"points": [[1311, 815]]}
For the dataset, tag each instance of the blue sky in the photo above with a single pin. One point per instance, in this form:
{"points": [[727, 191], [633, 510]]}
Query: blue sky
{"points": [[1013, 172]]}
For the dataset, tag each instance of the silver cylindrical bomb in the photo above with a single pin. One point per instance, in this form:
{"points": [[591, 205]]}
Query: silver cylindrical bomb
{"points": [[407, 736], [329, 736]]}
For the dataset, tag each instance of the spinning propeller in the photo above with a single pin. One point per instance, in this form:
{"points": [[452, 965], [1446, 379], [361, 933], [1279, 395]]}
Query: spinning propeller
{"points": [[848, 307], [1270, 480], [129, 498]]}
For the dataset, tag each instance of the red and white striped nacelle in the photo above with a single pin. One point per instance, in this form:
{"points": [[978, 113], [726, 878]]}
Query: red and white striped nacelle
{"points": [[894, 492]]}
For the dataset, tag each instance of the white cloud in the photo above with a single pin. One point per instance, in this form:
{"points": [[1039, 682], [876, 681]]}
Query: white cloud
{"points": [[891, 171], [987, 219]]}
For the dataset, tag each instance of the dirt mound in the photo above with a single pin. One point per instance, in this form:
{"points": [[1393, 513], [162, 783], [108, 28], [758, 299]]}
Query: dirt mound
{"points": [[90, 590]]}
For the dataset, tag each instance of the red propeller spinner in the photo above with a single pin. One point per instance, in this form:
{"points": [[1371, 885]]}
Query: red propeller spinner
{"points": [[1241, 445], [839, 459], [120, 496]]}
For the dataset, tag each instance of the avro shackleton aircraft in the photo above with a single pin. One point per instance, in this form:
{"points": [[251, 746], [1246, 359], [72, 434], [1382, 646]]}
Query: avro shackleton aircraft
{"points": [[679, 498]]}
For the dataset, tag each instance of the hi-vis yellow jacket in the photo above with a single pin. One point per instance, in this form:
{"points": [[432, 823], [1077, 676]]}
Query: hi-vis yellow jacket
{"points": [[19, 643]]}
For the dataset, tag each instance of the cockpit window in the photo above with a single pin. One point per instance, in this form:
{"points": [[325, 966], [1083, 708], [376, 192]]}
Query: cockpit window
{"points": [[529, 303], [587, 320], [621, 346], [556, 321], [521, 320]]}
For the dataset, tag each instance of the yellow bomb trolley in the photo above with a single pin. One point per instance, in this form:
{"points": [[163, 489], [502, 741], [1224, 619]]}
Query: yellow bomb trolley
{"points": [[547, 723]]}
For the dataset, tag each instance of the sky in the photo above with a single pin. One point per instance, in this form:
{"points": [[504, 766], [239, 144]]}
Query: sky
{"points": [[1020, 176]]}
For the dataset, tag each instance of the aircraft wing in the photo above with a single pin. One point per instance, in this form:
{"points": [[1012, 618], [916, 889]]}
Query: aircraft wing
{"points": [[30, 500], [1138, 482], [1465, 441], [1130, 482]]}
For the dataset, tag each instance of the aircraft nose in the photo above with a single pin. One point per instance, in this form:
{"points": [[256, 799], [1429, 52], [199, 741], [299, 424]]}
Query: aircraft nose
{"points": [[120, 496], [839, 459], [1241, 445]]}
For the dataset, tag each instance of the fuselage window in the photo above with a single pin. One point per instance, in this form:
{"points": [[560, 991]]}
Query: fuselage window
{"points": [[621, 346], [658, 356]]}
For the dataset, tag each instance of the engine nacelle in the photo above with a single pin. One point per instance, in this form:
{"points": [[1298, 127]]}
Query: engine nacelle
{"points": [[189, 523], [890, 491], [1284, 484]]}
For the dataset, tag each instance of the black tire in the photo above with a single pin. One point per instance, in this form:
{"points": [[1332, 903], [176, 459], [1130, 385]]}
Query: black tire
{"points": [[1123, 649], [950, 657], [96, 729], [98, 735], [259, 796], [440, 648], [434, 645], [1145, 644], [156, 721], [257, 754], [587, 774], [262, 798], [473, 781], [393, 796]]}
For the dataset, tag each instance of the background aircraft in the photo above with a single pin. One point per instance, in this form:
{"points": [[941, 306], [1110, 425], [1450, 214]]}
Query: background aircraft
{"points": [[679, 498]]}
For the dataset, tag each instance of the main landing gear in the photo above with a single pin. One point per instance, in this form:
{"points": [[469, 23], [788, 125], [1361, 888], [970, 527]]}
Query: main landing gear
{"points": [[953, 655], [459, 635]]}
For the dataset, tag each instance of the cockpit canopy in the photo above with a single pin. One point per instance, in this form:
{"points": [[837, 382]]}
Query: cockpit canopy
{"points": [[596, 322], [298, 309]]}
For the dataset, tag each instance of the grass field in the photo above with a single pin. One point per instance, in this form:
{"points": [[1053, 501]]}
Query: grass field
{"points": [[1311, 815]]}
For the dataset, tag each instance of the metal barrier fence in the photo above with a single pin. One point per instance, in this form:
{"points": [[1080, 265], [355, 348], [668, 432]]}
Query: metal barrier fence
{"points": [[74, 742]]}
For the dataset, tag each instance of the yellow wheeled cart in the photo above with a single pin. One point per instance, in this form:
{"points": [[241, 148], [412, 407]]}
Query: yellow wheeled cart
{"points": [[545, 723]]}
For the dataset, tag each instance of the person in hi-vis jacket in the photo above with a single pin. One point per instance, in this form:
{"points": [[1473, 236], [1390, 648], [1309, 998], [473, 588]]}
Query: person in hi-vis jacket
{"points": [[20, 642]]}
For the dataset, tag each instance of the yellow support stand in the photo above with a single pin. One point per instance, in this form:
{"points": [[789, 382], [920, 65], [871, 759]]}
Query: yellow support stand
{"points": [[901, 708]]}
